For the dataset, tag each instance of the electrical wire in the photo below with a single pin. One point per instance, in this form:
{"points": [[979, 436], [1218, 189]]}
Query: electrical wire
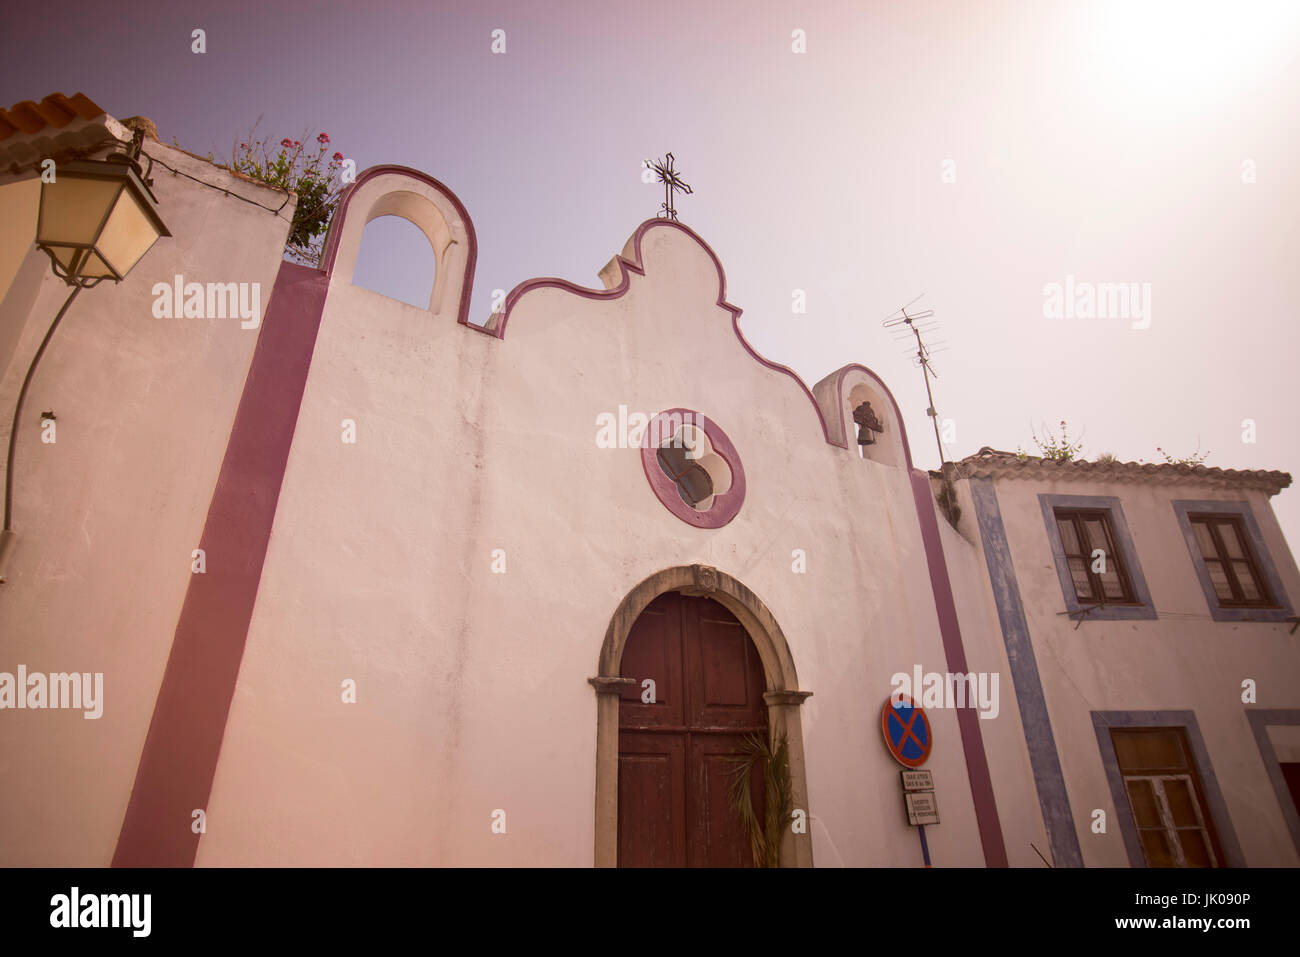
{"points": [[74, 152], [81, 152], [40, 351], [18, 407], [251, 202]]}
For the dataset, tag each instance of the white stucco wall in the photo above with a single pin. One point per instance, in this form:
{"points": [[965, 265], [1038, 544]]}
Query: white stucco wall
{"points": [[108, 514], [471, 686]]}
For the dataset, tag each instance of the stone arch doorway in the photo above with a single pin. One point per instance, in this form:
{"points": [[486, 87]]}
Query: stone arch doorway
{"points": [[781, 694]]}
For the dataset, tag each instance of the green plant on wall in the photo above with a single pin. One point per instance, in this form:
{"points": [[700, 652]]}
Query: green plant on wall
{"points": [[1049, 448], [778, 792], [1196, 458], [291, 165]]}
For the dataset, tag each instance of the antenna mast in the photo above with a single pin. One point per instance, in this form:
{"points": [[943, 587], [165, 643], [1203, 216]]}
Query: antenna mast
{"points": [[907, 325], [911, 325]]}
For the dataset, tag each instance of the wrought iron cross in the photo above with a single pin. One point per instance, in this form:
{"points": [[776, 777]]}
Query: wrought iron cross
{"points": [[672, 183]]}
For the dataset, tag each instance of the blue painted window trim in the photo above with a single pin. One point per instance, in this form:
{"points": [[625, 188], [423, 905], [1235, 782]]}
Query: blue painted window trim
{"points": [[1184, 508], [1035, 719], [1261, 719], [1103, 721], [1145, 609]]}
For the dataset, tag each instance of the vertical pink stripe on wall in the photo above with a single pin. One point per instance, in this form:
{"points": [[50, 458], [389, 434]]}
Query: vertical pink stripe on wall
{"points": [[180, 753], [972, 738]]}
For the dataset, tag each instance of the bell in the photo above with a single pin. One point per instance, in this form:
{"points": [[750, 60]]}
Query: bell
{"points": [[867, 423]]}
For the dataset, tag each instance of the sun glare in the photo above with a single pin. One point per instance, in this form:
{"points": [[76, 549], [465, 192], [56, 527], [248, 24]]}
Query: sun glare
{"points": [[1180, 53]]}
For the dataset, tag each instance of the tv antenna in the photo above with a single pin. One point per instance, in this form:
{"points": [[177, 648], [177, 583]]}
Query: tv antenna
{"points": [[907, 325]]}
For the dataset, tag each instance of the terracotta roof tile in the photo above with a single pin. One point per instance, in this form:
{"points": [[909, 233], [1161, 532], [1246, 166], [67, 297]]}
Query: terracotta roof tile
{"points": [[992, 463], [55, 110]]}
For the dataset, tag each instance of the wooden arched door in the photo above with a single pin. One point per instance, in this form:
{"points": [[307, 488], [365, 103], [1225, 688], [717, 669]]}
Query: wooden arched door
{"points": [[674, 761]]}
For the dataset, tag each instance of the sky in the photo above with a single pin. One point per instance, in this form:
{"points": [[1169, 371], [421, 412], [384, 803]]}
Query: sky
{"points": [[971, 154]]}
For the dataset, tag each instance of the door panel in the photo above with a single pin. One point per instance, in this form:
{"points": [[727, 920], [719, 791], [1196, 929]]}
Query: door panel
{"points": [[675, 755], [724, 673], [652, 800], [654, 650], [719, 837]]}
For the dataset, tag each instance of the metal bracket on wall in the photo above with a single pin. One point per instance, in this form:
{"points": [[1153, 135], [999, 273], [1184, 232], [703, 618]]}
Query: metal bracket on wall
{"points": [[1082, 612]]}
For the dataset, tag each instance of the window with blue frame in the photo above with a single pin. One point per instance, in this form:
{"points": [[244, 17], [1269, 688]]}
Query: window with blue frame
{"points": [[1232, 562], [1096, 561], [1096, 567]]}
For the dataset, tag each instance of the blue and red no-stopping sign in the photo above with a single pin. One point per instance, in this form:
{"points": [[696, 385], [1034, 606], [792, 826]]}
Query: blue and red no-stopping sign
{"points": [[907, 731]]}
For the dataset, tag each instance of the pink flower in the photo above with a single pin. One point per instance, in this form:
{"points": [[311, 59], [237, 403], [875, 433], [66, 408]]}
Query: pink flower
{"points": [[338, 157], [286, 143], [322, 139], [297, 143]]}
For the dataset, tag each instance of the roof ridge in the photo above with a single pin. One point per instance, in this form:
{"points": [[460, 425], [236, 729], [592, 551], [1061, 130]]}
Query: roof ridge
{"points": [[991, 462]]}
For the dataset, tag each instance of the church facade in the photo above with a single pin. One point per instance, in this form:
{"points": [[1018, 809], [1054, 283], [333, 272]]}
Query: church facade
{"points": [[372, 584]]}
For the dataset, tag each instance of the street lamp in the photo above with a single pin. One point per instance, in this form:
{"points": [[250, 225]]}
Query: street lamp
{"points": [[97, 219]]}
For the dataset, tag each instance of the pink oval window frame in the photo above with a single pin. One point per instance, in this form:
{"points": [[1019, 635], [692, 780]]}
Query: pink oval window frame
{"points": [[726, 506]]}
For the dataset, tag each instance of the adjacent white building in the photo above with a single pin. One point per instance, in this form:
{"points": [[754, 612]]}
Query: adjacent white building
{"points": [[1147, 615]]}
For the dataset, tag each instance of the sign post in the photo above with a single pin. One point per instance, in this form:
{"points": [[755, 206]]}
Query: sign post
{"points": [[909, 739]]}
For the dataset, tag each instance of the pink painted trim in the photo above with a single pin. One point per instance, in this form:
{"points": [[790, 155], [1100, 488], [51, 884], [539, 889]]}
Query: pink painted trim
{"points": [[843, 439], [330, 251], [635, 266], [968, 722], [627, 267], [179, 760], [725, 506]]}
